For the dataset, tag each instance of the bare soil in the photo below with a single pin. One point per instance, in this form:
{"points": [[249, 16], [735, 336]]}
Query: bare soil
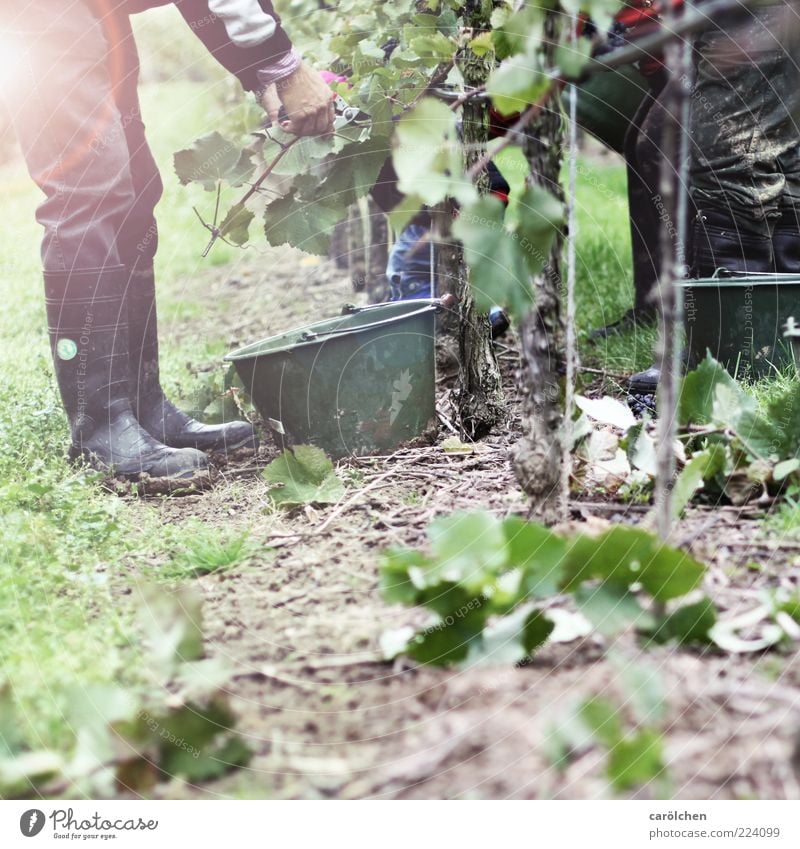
{"points": [[300, 622]]}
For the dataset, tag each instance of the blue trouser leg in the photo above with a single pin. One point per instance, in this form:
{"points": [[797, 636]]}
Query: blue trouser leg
{"points": [[409, 266]]}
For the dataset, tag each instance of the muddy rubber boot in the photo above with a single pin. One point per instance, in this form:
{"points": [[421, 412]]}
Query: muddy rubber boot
{"points": [[159, 416], [786, 244], [89, 343]]}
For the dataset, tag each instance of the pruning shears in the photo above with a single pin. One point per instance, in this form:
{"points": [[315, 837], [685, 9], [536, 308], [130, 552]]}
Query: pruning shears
{"points": [[346, 114]]}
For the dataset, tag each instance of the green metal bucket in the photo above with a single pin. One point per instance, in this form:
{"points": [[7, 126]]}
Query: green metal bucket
{"points": [[357, 384], [741, 320], [608, 102]]}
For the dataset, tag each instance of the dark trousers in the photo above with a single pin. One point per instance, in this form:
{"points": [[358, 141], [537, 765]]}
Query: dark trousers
{"points": [[643, 158], [75, 109], [745, 117]]}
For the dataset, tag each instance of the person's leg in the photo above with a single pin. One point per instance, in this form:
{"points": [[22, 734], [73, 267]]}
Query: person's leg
{"points": [[70, 132], [786, 232], [137, 242], [747, 84], [642, 159], [748, 88], [409, 269]]}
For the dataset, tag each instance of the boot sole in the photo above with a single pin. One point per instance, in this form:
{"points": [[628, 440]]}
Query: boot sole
{"points": [[76, 456]]}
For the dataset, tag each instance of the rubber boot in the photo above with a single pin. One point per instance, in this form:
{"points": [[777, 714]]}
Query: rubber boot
{"points": [[89, 342], [786, 244], [718, 242], [159, 416]]}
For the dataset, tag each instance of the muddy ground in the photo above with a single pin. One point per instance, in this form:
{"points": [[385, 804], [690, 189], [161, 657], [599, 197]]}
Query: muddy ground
{"points": [[299, 624]]}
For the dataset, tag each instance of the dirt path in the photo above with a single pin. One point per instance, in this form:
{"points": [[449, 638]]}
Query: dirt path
{"points": [[300, 627]]}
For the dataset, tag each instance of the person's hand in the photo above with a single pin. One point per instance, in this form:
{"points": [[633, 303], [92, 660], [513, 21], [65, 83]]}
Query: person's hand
{"points": [[306, 100]]}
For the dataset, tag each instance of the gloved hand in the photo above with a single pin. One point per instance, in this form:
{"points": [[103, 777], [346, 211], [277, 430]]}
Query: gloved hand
{"points": [[306, 100]]}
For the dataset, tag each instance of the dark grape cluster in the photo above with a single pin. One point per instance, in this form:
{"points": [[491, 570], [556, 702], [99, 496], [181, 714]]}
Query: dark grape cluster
{"points": [[641, 404]]}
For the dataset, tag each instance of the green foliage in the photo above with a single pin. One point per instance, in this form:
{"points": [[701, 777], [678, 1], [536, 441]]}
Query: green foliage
{"points": [[736, 447], [703, 466], [205, 550], [732, 445], [303, 475], [516, 83], [503, 255], [125, 741], [427, 154], [484, 576], [691, 623], [390, 55], [235, 226], [213, 158], [634, 753]]}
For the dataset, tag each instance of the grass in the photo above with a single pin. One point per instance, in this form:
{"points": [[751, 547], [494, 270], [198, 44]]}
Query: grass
{"points": [[604, 276], [203, 550], [784, 520]]}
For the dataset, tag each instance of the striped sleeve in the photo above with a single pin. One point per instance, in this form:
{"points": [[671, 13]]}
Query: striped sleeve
{"points": [[244, 36]]}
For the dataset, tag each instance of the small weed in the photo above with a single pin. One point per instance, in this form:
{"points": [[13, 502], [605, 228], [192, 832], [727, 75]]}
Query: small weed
{"points": [[207, 550], [784, 520]]}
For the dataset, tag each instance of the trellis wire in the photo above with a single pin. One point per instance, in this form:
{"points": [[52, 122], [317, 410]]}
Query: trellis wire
{"points": [[570, 347]]}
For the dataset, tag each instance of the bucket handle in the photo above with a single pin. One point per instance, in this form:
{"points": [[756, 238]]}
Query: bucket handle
{"points": [[447, 301], [428, 304], [310, 336]]}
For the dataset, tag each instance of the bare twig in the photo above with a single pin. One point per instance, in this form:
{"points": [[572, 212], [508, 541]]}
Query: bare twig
{"points": [[216, 232]]}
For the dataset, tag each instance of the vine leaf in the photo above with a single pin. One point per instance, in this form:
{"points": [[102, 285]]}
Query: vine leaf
{"points": [[303, 475], [213, 158], [703, 466], [517, 83], [610, 609], [435, 45], [623, 556], [710, 396], [235, 225], [541, 214], [606, 410], [502, 257], [354, 171], [636, 759], [427, 155], [498, 271], [688, 624], [302, 223]]}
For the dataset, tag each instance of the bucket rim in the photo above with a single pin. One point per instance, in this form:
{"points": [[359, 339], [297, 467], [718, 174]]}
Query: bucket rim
{"points": [[741, 280], [428, 305]]}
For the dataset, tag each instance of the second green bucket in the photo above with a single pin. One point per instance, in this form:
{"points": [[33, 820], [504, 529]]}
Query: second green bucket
{"points": [[361, 383], [740, 320]]}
